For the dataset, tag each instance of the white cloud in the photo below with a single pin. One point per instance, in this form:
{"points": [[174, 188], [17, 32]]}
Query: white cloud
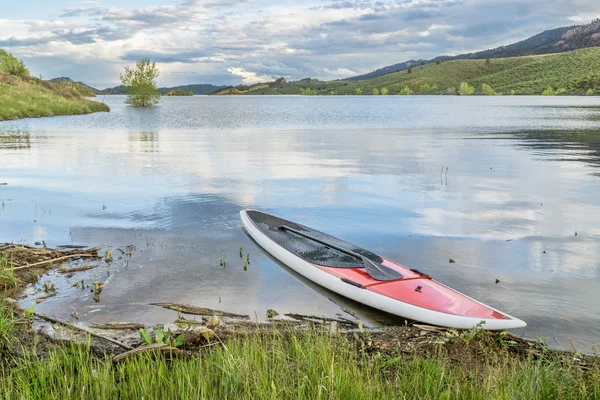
{"points": [[248, 40], [249, 77]]}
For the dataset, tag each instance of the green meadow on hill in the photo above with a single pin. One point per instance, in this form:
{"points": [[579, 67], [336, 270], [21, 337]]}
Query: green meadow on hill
{"points": [[569, 73]]}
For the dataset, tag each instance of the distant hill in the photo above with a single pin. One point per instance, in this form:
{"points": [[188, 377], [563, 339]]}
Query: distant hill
{"points": [[82, 88], [194, 88], [279, 86], [575, 72], [551, 41]]}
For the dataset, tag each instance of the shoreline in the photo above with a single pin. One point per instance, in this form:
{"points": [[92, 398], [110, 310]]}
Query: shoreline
{"points": [[34, 341], [53, 115]]}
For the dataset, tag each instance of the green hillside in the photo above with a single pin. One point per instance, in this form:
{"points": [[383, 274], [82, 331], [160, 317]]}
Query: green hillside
{"points": [[82, 88], [32, 97], [576, 72], [567, 38], [22, 95]]}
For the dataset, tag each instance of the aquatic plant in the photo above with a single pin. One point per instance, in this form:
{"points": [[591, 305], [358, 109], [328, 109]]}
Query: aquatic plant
{"points": [[162, 337]]}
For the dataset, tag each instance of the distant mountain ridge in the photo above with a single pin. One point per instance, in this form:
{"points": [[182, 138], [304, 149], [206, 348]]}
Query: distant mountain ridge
{"points": [[557, 40], [202, 88]]}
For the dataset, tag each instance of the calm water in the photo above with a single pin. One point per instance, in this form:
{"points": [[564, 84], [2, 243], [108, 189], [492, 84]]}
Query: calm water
{"points": [[523, 177]]}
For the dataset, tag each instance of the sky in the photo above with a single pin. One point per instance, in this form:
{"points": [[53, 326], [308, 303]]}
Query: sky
{"points": [[229, 42]]}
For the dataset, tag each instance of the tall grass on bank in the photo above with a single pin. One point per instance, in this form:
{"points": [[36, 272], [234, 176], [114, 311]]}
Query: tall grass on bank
{"points": [[300, 365], [32, 97], [7, 325], [7, 276]]}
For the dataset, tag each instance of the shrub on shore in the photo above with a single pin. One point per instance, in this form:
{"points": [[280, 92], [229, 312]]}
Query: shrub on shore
{"points": [[11, 65], [487, 90], [549, 91], [465, 89]]}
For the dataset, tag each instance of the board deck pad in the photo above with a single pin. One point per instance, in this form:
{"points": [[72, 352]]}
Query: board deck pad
{"points": [[309, 250]]}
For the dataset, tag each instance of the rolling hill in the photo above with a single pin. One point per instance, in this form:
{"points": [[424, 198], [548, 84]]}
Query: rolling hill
{"points": [[82, 88], [575, 73], [551, 41]]}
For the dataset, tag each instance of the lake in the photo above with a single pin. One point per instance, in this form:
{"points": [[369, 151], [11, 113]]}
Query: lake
{"points": [[509, 187]]}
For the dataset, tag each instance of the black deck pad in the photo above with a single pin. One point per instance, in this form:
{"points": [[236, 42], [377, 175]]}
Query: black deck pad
{"points": [[307, 249]]}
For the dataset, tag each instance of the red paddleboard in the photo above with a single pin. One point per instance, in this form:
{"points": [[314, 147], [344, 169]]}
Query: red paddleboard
{"points": [[368, 278]]}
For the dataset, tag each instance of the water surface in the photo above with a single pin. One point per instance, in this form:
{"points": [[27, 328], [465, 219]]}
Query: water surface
{"points": [[509, 187]]}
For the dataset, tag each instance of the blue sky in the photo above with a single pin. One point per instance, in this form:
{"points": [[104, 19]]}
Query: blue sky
{"points": [[245, 41]]}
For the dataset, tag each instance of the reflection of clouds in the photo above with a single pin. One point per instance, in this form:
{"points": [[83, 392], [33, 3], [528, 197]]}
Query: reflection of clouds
{"points": [[188, 176]]}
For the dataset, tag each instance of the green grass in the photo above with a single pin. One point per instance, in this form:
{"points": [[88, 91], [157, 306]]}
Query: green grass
{"points": [[7, 276], [32, 97], [7, 325], [576, 72], [309, 365]]}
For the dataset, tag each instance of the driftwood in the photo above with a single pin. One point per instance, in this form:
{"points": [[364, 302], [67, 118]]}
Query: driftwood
{"points": [[195, 310], [188, 322], [24, 256], [156, 348], [66, 270], [119, 326], [301, 317], [69, 325], [53, 260]]}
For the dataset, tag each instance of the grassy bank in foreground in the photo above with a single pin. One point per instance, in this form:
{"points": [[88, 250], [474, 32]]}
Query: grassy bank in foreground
{"points": [[301, 365], [283, 361], [23, 97]]}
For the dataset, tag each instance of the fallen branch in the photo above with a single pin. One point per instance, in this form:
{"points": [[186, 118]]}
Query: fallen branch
{"points": [[312, 318], [69, 325], [159, 348], [51, 261], [119, 326], [65, 270], [195, 310]]}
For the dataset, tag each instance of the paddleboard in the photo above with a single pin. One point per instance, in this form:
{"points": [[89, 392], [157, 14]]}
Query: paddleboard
{"points": [[368, 278]]}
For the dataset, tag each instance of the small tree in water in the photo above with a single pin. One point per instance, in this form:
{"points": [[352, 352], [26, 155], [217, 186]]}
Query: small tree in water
{"points": [[140, 84]]}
